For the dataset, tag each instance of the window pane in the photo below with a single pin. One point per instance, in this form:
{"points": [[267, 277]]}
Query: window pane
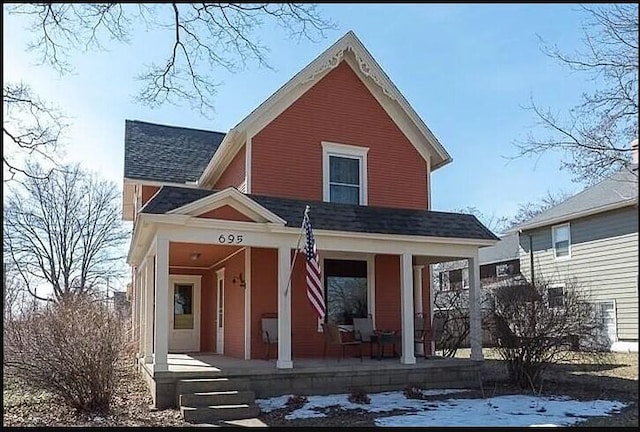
{"points": [[344, 194], [182, 307], [556, 297], [344, 170], [346, 290], [562, 234], [562, 248]]}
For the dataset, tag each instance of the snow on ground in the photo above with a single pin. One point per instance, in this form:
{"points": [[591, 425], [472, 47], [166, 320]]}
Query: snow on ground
{"points": [[511, 410]]}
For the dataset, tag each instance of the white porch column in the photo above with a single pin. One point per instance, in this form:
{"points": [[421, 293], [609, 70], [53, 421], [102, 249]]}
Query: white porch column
{"points": [[148, 309], [475, 317], [139, 309], [162, 306], [284, 309], [417, 298], [406, 309]]}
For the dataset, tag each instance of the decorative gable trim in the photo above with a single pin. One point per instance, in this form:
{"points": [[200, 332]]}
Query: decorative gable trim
{"points": [[233, 198], [393, 102]]}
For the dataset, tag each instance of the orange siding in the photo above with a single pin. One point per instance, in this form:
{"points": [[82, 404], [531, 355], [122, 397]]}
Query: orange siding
{"points": [[264, 289], [227, 213], [148, 192], [233, 175], [233, 306], [388, 292], [340, 109]]}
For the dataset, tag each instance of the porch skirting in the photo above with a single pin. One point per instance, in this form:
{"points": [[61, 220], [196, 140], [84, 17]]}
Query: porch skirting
{"points": [[318, 377]]}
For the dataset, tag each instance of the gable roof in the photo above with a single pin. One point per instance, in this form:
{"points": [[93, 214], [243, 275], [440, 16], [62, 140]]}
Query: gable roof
{"points": [[618, 190], [340, 217], [367, 67], [508, 248], [155, 152]]}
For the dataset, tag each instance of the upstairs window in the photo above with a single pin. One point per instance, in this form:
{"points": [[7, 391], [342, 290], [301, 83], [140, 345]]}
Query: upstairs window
{"points": [[561, 237], [345, 173]]}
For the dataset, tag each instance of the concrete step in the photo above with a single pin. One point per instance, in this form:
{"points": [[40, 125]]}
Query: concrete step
{"points": [[199, 385], [214, 413], [224, 397]]}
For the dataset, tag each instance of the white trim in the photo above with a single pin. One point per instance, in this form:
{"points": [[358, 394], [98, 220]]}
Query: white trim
{"points": [[344, 151], [553, 241], [233, 198], [284, 309], [220, 305], [247, 303], [615, 317], [248, 148], [369, 72], [232, 254]]}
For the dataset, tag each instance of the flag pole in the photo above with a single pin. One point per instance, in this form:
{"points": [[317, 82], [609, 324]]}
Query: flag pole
{"points": [[306, 214]]}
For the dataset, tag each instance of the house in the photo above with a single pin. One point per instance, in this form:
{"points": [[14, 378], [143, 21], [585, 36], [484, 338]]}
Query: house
{"points": [[497, 263], [217, 223], [592, 237]]}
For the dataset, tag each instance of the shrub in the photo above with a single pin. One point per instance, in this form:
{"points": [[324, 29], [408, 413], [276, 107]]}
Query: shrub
{"points": [[413, 391], [533, 331], [70, 349], [359, 396], [296, 401]]}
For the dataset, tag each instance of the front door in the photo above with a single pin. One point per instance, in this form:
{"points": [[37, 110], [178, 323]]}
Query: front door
{"points": [[184, 313], [220, 313]]}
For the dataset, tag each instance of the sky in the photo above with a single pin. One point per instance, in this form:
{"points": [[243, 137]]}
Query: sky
{"points": [[447, 410], [467, 70]]}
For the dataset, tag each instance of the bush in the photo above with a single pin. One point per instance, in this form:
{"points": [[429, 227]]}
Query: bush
{"points": [[296, 401], [413, 391], [533, 330], [70, 349], [359, 396]]}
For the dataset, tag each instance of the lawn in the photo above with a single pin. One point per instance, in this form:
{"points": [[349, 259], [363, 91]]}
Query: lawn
{"points": [[582, 381]]}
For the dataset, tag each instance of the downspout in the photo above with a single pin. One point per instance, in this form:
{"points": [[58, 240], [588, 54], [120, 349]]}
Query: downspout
{"points": [[531, 257]]}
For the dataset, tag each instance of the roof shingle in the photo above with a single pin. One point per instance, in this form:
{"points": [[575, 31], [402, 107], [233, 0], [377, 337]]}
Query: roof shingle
{"points": [[341, 217], [167, 153]]}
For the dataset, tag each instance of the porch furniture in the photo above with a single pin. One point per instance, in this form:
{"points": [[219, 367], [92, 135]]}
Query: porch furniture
{"points": [[363, 331], [426, 334], [269, 327], [385, 337], [333, 336]]}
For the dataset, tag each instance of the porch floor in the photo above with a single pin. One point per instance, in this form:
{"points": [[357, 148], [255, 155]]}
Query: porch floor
{"points": [[205, 364]]}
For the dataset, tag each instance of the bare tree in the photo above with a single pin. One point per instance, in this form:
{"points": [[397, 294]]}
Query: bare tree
{"points": [[31, 129], [205, 36], [531, 209], [535, 327], [594, 137], [64, 232]]}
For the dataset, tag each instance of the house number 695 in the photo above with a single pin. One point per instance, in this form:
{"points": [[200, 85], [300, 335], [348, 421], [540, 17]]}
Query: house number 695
{"points": [[230, 238]]}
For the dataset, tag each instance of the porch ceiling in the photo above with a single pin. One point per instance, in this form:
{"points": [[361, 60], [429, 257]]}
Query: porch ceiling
{"points": [[197, 254]]}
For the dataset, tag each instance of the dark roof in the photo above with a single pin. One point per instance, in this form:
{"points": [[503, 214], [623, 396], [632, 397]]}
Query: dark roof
{"points": [[618, 188], [341, 217], [507, 249], [167, 153]]}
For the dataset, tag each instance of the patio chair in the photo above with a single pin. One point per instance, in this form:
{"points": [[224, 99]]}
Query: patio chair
{"points": [[363, 331], [425, 335], [333, 336], [269, 327]]}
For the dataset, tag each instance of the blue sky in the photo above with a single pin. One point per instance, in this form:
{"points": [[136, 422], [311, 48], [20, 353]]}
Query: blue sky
{"points": [[466, 69]]}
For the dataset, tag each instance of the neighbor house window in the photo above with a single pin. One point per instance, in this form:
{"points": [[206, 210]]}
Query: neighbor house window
{"points": [[345, 284], [561, 236], [345, 173], [555, 297], [504, 269]]}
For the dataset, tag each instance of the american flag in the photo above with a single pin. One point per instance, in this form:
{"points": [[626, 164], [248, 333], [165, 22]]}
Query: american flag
{"points": [[314, 286]]}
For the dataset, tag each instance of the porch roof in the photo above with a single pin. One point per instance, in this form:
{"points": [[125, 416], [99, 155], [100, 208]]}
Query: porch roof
{"points": [[341, 217]]}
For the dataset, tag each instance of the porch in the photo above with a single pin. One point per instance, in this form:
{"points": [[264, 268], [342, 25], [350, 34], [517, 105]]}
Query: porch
{"points": [[310, 376]]}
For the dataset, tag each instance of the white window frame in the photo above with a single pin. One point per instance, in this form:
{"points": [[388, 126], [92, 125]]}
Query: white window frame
{"points": [[503, 266], [553, 240], [344, 151], [371, 280]]}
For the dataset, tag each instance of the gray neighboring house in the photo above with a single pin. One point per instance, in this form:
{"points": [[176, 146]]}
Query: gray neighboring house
{"points": [[592, 237]]}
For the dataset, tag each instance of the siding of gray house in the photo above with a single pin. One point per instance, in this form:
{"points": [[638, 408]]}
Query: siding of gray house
{"points": [[604, 259]]}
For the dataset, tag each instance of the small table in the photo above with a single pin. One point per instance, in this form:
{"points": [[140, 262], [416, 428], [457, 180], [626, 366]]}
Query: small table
{"points": [[385, 337]]}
